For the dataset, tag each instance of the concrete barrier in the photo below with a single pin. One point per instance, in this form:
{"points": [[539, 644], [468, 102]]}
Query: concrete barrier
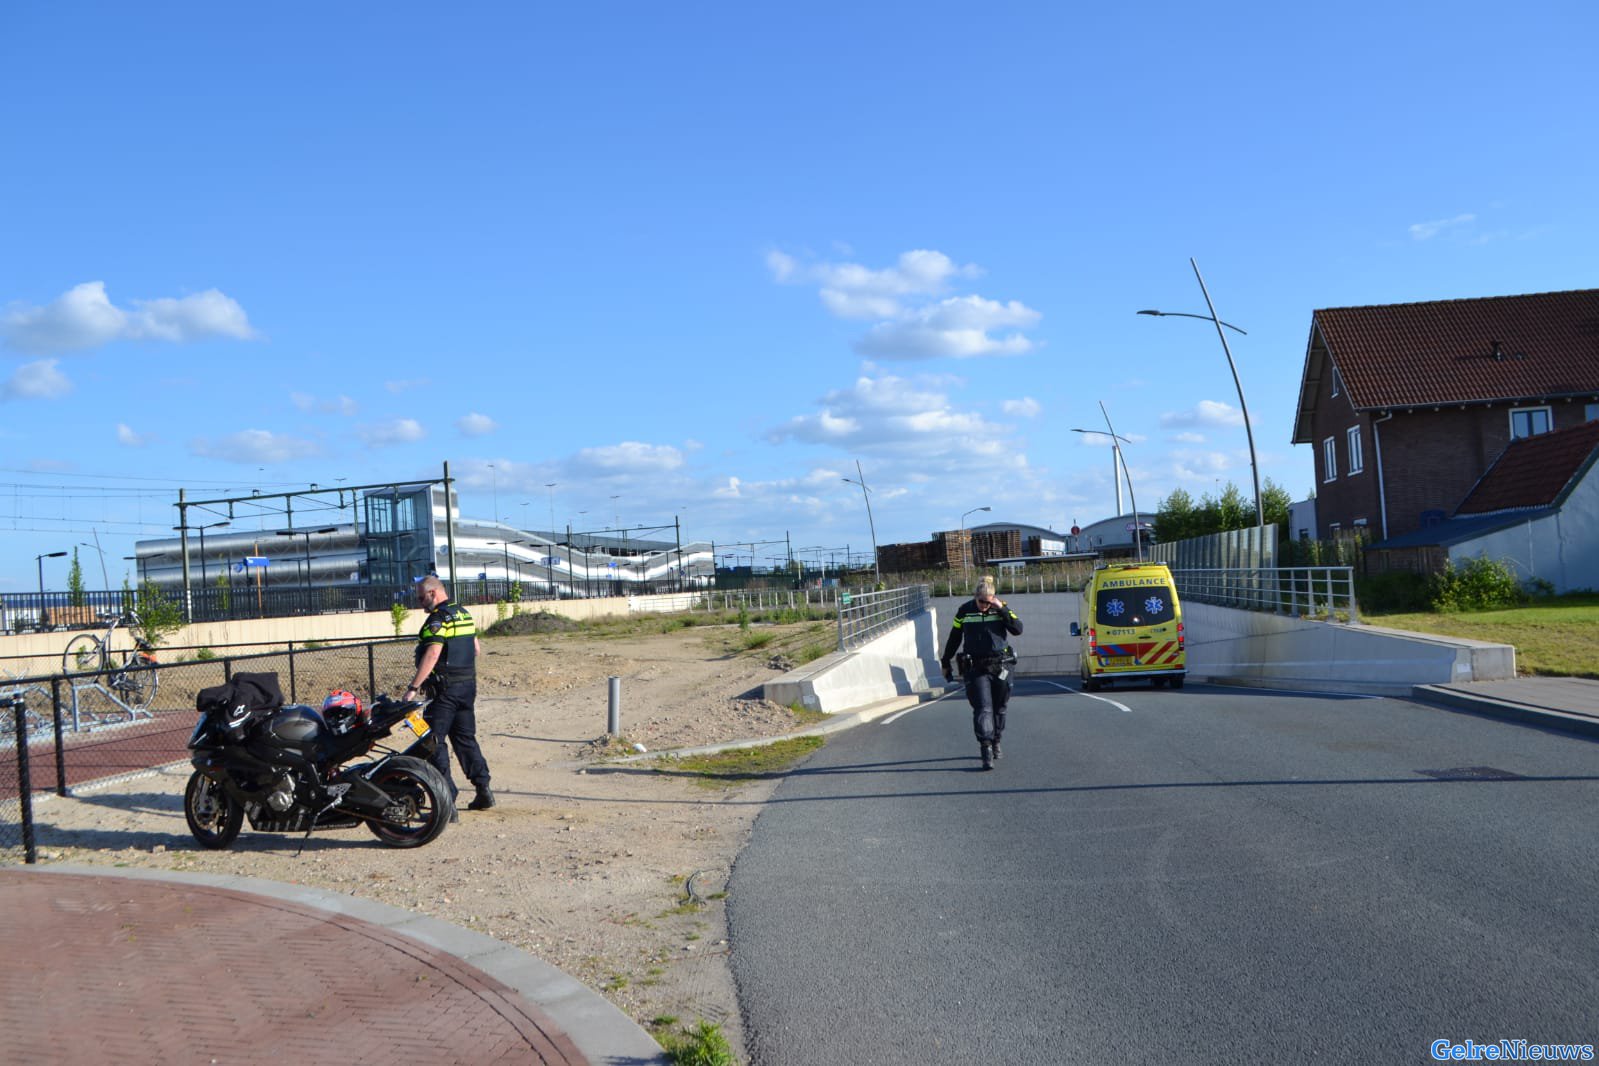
{"points": [[1225, 645]]}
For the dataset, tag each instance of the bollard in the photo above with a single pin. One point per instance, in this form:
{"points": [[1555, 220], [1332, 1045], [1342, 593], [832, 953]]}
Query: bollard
{"points": [[613, 718]]}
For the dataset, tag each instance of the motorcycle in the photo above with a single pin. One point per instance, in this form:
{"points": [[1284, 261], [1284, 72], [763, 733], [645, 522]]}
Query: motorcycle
{"points": [[288, 769]]}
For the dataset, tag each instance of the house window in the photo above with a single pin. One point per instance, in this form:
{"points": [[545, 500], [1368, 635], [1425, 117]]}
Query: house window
{"points": [[1329, 459], [1529, 422], [1356, 459], [1337, 382], [1590, 412]]}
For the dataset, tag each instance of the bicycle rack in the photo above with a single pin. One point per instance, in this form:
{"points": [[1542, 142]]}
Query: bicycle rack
{"points": [[78, 714]]}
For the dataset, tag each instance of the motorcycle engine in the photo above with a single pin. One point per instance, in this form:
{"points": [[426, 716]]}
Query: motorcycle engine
{"points": [[281, 798]]}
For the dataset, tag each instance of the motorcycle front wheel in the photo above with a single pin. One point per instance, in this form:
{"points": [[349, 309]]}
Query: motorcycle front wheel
{"points": [[421, 806], [214, 816]]}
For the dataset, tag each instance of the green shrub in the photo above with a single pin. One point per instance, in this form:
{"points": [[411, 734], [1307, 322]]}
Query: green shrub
{"points": [[1479, 584], [159, 617], [397, 615], [502, 610], [205, 655], [703, 1045], [743, 619]]}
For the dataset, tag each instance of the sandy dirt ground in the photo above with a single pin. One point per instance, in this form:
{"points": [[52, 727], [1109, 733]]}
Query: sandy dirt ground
{"points": [[596, 867]]}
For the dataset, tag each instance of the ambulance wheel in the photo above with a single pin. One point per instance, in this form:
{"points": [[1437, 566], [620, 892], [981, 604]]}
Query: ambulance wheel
{"points": [[1176, 682], [1091, 684], [1157, 682]]}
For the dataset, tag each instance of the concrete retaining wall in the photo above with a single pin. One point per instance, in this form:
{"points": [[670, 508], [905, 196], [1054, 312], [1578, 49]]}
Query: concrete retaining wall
{"points": [[1224, 645]]}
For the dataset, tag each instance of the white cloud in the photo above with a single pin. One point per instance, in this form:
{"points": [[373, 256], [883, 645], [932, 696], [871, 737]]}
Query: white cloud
{"points": [[476, 425], [339, 405], [1426, 231], [254, 446], [914, 319], [1026, 407], [84, 317], [628, 457], [912, 423], [127, 437], [400, 385], [958, 328], [1188, 438], [1204, 413], [394, 431], [37, 381]]}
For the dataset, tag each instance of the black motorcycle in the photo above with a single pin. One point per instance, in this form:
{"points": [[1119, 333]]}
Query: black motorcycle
{"points": [[290, 770]]}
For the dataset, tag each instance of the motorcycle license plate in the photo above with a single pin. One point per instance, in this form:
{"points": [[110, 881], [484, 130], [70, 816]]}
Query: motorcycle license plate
{"points": [[416, 724]]}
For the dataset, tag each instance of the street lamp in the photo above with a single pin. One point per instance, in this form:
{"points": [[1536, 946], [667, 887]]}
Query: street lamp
{"points": [[104, 577], [201, 530], [554, 595], [1249, 433], [965, 547], [40, 560], [866, 494], [307, 534], [1115, 443]]}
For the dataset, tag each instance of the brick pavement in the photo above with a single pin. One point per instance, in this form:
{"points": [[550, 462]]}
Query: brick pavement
{"points": [[103, 969]]}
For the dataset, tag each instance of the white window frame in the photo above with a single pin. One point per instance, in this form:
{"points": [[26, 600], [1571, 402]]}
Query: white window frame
{"points": [[1337, 383], [1549, 420], [1329, 460], [1357, 458]]}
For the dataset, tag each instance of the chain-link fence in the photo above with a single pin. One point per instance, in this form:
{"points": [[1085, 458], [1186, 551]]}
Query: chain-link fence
{"points": [[66, 732]]}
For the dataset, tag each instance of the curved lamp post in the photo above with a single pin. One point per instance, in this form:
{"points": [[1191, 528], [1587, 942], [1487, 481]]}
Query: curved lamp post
{"points": [[966, 547], [40, 560], [1249, 432], [866, 495], [1115, 443]]}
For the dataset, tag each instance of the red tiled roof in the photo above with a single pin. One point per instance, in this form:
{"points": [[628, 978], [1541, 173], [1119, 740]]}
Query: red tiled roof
{"points": [[1533, 471], [1442, 352]]}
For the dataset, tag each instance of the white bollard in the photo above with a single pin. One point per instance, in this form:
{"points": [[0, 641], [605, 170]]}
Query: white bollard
{"points": [[613, 718]]}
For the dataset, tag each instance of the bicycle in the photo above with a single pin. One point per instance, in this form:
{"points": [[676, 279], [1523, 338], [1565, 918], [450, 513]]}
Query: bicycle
{"points": [[133, 680]]}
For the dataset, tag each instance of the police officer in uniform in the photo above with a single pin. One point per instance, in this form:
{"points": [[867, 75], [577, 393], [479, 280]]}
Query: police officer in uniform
{"points": [[981, 626], [446, 673]]}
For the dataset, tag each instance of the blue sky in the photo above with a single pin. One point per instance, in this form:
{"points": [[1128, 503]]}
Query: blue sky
{"points": [[698, 260]]}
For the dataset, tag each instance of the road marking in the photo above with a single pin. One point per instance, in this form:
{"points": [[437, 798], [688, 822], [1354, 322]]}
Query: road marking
{"points": [[1065, 688]]}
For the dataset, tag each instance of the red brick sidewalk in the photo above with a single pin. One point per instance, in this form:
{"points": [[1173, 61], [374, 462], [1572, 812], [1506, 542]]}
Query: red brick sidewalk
{"points": [[103, 969]]}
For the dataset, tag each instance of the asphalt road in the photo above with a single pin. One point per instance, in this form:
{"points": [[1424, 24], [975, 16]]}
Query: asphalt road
{"points": [[1207, 876]]}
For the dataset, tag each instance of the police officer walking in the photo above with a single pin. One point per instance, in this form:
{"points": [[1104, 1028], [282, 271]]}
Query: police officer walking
{"points": [[981, 626], [446, 673]]}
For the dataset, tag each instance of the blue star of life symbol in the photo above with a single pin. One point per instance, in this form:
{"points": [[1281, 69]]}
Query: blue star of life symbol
{"points": [[1154, 605], [1115, 608]]}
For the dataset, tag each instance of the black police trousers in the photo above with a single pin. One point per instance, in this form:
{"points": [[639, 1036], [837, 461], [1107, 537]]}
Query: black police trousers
{"points": [[988, 696], [453, 718]]}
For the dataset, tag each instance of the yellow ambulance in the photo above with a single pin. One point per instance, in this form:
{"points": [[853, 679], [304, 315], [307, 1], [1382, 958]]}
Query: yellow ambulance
{"points": [[1131, 627]]}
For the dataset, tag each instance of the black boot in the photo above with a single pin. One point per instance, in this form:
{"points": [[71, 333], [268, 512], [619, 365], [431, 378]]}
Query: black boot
{"points": [[994, 747], [987, 755], [482, 801]]}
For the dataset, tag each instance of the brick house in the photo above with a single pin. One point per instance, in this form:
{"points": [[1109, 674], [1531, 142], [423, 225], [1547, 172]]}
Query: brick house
{"points": [[1535, 510], [1408, 405]]}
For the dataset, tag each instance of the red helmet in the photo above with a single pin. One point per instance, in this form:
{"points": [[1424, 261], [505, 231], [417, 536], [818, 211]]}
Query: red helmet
{"points": [[342, 711]]}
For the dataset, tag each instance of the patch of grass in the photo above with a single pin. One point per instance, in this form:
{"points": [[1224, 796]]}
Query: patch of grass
{"points": [[811, 652], [1553, 637], [723, 768], [804, 716], [703, 1045], [615, 983], [751, 641]]}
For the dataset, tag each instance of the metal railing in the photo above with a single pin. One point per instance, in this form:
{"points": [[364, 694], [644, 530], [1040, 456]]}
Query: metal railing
{"points": [[863, 616], [1307, 591]]}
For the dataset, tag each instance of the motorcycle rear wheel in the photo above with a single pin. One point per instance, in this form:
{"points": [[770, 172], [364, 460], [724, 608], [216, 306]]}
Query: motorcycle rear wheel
{"points": [[214, 816], [422, 799]]}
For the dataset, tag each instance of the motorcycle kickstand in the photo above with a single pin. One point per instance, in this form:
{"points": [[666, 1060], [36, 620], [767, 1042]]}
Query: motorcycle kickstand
{"points": [[338, 798]]}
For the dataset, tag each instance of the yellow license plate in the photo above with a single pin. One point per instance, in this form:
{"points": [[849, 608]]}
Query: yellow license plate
{"points": [[416, 724], [1118, 660]]}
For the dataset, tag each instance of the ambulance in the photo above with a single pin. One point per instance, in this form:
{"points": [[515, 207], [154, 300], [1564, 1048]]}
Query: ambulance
{"points": [[1131, 627]]}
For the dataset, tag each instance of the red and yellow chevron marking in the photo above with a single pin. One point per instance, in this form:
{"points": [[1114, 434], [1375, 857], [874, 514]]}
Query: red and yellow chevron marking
{"points": [[1145, 654]]}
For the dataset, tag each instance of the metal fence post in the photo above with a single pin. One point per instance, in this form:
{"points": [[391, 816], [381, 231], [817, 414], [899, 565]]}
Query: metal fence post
{"points": [[61, 748], [19, 712], [613, 715]]}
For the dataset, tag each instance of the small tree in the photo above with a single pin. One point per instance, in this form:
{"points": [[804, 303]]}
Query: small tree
{"points": [[158, 617], [397, 614], [75, 582]]}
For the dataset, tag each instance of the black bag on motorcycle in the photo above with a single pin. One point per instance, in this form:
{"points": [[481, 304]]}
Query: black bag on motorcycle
{"points": [[245, 697]]}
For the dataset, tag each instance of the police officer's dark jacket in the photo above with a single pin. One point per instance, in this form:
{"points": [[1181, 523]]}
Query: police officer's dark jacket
{"points": [[981, 632], [451, 626]]}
